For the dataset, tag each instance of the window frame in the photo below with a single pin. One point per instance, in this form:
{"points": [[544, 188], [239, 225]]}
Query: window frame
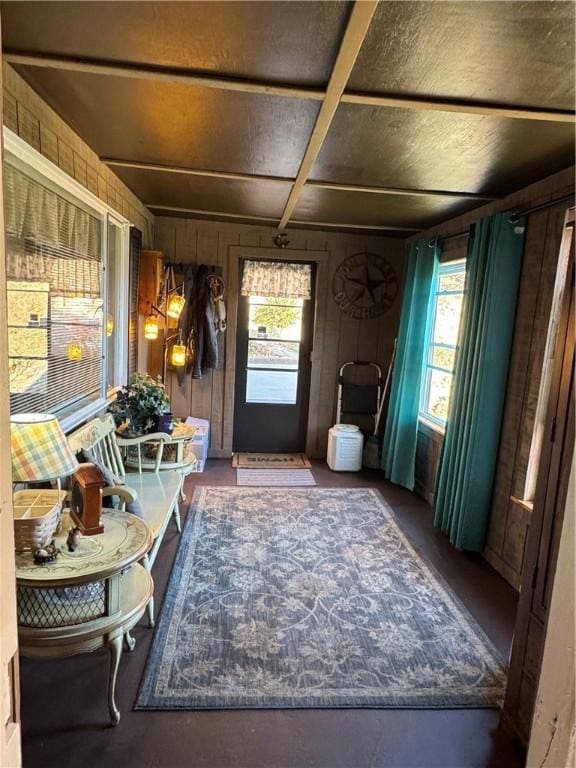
{"points": [[28, 160], [428, 365]]}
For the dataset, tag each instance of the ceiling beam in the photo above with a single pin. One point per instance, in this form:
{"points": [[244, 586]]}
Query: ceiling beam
{"points": [[177, 169], [274, 219], [262, 87], [400, 191], [227, 175], [199, 211], [483, 109], [160, 74], [356, 30], [343, 225]]}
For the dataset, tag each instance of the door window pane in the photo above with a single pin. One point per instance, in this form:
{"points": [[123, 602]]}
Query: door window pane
{"points": [[275, 318], [273, 354], [278, 387]]}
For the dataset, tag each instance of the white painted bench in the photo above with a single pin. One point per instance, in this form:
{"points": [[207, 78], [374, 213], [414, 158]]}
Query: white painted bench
{"points": [[159, 492]]}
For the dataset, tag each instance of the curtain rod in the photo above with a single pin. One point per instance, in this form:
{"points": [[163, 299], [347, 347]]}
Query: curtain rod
{"points": [[513, 217]]}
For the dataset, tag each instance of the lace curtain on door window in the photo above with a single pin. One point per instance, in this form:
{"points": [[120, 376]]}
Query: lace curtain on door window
{"points": [[277, 280]]}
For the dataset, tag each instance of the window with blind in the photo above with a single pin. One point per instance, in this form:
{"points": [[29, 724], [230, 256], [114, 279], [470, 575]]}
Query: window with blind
{"points": [[63, 304]]}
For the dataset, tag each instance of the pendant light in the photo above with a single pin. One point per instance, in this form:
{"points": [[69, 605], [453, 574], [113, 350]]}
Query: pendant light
{"points": [[151, 328], [178, 354], [176, 305]]}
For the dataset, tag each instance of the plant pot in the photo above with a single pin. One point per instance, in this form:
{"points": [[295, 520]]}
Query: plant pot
{"points": [[164, 422]]}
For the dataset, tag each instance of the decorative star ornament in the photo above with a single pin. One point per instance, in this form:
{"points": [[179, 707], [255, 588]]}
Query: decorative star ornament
{"points": [[365, 285]]}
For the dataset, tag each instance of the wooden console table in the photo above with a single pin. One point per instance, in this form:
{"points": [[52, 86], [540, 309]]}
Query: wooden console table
{"points": [[86, 599]]}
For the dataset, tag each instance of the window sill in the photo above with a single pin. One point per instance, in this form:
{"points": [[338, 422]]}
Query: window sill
{"points": [[74, 420], [526, 505], [430, 428]]}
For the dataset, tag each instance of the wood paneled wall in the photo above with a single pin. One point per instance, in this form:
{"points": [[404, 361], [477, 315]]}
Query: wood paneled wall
{"points": [[509, 520], [337, 337], [29, 116]]}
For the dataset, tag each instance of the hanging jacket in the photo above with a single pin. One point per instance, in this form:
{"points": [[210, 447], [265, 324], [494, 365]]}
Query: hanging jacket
{"points": [[197, 324]]}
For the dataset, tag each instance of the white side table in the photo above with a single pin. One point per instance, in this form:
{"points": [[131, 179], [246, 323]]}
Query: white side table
{"points": [[88, 598]]}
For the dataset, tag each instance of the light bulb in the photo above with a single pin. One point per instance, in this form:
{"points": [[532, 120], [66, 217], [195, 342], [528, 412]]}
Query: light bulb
{"points": [[151, 328], [175, 306], [75, 351], [178, 355]]}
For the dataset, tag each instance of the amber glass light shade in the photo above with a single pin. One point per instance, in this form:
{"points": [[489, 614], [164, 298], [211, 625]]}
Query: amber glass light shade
{"points": [[178, 355], [109, 325], [74, 351], [175, 305], [151, 328]]}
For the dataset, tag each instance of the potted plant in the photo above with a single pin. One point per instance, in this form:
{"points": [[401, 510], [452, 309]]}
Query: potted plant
{"points": [[143, 407]]}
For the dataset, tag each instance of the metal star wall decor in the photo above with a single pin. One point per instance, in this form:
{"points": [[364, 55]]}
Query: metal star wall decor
{"points": [[365, 285]]}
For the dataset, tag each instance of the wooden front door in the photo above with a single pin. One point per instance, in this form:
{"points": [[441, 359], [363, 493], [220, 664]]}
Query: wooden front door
{"points": [[272, 387]]}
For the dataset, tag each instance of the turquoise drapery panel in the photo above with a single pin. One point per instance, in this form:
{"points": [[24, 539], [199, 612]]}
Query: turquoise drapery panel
{"points": [[468, 463], [401, 431]]}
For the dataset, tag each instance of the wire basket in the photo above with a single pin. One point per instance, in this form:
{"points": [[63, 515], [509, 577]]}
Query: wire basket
{"points": [[178, 449], [36, 518]]}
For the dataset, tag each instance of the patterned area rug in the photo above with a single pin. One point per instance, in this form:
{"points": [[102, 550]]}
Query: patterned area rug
{"points": [[310, 598], [270, 461], [272, 477]]}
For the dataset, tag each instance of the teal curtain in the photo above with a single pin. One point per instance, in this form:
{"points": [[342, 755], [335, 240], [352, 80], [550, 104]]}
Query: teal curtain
{"points": [[401, 431], [466, 475]]}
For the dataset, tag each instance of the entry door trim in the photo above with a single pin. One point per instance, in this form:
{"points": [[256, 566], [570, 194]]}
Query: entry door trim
{"points": [[321, 258], [283, 415]]}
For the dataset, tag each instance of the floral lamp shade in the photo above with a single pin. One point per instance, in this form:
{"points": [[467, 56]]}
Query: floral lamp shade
{"points": [[40, 451]]}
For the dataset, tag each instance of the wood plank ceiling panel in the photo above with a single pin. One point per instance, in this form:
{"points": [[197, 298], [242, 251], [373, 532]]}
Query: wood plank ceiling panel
{"points": [[464, 55], [437, 150], [361, 208], [237, 39], [198, 127], [234, 196], [516, 53]]}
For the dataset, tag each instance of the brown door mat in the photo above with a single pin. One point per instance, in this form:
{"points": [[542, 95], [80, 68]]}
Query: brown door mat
{"points": [[270, 461]]}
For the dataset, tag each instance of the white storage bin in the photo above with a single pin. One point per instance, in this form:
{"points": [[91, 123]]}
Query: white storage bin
{"points": [[345, 445], [201, 440]]}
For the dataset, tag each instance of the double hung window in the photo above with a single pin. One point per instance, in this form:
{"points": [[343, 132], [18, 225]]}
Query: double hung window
{"points": [[446, 307]]}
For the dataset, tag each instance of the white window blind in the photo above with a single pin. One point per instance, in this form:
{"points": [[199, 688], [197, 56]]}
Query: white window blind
{"points": [[55, 297]]}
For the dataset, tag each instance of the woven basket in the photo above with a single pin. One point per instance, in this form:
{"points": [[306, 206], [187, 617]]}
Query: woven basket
{"points": [[36, 518], [173, 452]]}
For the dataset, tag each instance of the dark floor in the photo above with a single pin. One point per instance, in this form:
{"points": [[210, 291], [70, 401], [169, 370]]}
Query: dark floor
{"points": [[65, 717]]}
